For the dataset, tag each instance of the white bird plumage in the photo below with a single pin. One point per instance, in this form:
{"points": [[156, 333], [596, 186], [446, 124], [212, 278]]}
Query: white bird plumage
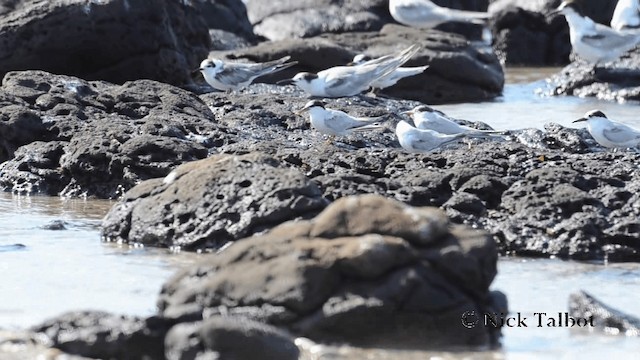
{"points": [[393, 77], [608, 133], [343, 81], [416, 140], [335, 122], [425, 14], [425, 117], [626, 16], [594, 42], [226, 76]]}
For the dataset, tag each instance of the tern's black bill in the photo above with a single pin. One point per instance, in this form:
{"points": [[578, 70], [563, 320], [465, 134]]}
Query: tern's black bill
{"points": [[285, 82], [195, 71], [579, 120]]}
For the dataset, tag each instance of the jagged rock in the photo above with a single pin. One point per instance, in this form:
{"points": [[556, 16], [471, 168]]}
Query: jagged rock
{"points": [[602, 317], [618, 80], [95, 138], [459, 71], [229, 338], [205, 204], [366, 271]]}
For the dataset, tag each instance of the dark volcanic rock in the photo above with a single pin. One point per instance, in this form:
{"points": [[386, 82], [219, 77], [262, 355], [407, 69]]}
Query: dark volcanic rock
{"points": [[113, 40], [605, 318], [288, 19], [229, 338], [522, 37], [207, 203], [102, 335], [225, 15], [366, 271], [618, 80], [285, 19], [95, 138], [459, 70]]}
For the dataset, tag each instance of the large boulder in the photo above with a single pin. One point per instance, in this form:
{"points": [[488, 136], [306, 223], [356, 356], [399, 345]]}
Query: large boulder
{"points": [[64, 135], [113, 40], [368, 271], [207, 203], [459, 70]]}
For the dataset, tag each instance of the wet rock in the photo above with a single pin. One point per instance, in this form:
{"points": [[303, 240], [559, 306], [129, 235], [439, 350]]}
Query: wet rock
{"points": [[20, 345], [205, 204], [362, 262], [459, 71], [101, 335], [605, 318], [99, 139], [618, 80], [113, 40], [56, 225], [229, 16], [229, 338]]}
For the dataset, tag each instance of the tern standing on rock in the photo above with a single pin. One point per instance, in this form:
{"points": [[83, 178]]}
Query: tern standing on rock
{"points": [[626, 16], [343, 81], [416, 140], [608, 133], [594, 42], [335, 122], [228, 76], [425, 14], [393, 77], [427, 118]]}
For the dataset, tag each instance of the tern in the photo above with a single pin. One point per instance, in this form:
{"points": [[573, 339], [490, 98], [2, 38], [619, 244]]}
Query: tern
{"points": [[593, 42], [425, 14], [393, 77], [420, 140], [228, 76], [608, 133], [335, 122], [626, 16], [427, 118], [343, 81]]}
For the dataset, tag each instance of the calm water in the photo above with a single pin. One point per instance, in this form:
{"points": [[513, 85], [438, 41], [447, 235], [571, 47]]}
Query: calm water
{"points": [[45, 272]]}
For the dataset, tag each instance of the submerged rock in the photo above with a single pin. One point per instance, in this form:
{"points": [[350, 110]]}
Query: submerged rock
{"points": [[602, 317], [367, 271]]}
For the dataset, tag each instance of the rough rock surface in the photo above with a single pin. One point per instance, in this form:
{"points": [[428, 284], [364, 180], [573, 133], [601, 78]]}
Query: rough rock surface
{"points": [[459, 70], [101, 335], [367, 271], [229, 338], [113, 40], [21, 345], [618, 80], [63, 135], [207, 203], [288, 19], [605, 318]]}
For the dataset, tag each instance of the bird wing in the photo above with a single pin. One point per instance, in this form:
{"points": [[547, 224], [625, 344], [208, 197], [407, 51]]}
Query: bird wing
{"points": [[236, 73], [416, 12], [428, 142], [607, 38], [339, 122], [621, 134]]}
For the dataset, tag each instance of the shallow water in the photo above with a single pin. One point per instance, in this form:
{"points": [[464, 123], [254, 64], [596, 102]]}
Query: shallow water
{"points": [[45, 272], [520, 106]]}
